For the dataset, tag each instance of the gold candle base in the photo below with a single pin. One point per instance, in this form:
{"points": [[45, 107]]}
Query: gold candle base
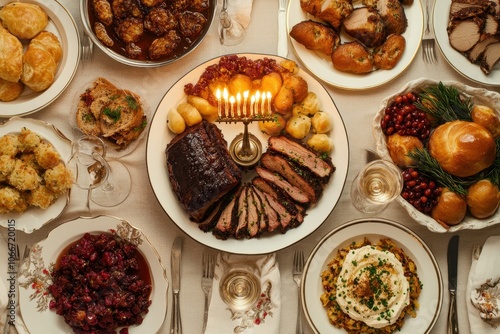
{"points": [[246, 149]]}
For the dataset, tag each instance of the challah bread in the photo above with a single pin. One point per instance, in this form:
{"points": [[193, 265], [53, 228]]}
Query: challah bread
{"points": [[40, 61], [11, 56], [462, 148], [23, 20]]}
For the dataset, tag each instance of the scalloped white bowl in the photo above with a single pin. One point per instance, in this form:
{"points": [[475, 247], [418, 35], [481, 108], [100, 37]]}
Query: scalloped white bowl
{"points": [[479, 96]]}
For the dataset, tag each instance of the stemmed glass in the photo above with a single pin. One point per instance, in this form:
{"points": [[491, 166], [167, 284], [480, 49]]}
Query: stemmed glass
{"points": [[108, 182], [231, 32]]}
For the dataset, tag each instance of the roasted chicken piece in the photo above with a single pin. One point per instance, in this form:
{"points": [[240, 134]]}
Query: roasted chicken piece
{"points": [[102, 34], [200, 5], [366, 25], [179, 5], [103, 11], [315, 36], [164, 46], [151, 3], [159, 21], [191, 23], [130, 30], [352, 57], [331, 11], [125, 8], [387, 55]]}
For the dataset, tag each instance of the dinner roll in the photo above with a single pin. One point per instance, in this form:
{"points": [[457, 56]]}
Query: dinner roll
{"points": [[483, 198], [400, 146], [11, 56], [462, 148], [9, 90], [23, 20], [450, 208]]}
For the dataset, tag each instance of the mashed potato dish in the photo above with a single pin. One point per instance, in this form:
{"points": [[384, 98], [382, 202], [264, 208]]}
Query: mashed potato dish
{"points": [[31, 172], [370, 288]]}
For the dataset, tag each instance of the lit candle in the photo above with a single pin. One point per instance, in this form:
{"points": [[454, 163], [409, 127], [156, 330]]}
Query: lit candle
{"points": [[217, 95], [262, 110], [231, 100], [238, 104], [269, 102], [257, 99], [245, 97], [252, 101], [225, 95]]}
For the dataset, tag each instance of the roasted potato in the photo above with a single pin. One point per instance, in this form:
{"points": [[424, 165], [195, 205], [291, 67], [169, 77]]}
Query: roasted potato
{"points": [[298, 86], [208, 112], [190, 114], [321, 122], [298, 126], [283, 101], [175, 121], [239, 83], [273, 128], [272, 83], [320, 142]]}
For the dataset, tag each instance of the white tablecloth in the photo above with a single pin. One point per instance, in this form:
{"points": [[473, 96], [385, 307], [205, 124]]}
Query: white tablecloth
{"points": [[142, 209]]}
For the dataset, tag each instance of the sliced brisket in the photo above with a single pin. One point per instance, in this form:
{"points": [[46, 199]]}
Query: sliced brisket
{"points": [[297, 194], [270, 213], [491, 57], [302, 155], [226, 224]]}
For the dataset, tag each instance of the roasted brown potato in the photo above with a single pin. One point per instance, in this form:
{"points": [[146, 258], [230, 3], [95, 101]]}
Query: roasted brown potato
{"points": [[387, 55], [315, 36], [352, 57]]}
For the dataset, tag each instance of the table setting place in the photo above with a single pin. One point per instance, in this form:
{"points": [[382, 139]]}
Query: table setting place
{"points": [[249, 166]]}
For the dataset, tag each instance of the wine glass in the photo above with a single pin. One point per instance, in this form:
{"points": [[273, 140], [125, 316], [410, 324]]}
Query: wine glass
{"points": [[376, 185], [115, 188], [231, 32]]}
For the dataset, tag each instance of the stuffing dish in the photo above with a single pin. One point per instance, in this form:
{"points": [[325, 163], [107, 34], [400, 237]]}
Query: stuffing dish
{"points": [[32, 173], [371, 287]]}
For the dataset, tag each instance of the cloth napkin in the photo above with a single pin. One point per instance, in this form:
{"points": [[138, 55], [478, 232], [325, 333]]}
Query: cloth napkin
{"points": [[264, 317], [487, 266]]}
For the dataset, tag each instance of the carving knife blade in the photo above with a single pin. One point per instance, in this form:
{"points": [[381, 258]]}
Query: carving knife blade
{"points": [[452, 284], [175, 264]]}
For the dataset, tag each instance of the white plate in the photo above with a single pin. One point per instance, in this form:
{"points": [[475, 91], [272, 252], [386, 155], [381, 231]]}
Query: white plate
{"points": [[159, 136], [62, 25], [458, 61], [431, 297], [321, 66], [34, 218], [479, 96], [36, 269]]}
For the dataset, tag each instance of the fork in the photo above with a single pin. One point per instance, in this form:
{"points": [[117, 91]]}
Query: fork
{"points": [[298, 266], [207, 282], [428, 49], [87, 48]]}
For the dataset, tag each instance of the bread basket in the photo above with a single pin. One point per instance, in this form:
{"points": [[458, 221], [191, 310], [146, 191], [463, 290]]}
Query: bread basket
{"points": [[479, 96]]}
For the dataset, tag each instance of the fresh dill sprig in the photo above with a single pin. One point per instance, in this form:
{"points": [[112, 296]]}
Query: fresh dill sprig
{"points": [[430, 167], [445, 103]]}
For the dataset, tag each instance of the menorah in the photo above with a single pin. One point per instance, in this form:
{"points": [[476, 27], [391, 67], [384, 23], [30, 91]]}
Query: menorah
{"points": [[245, 148]]}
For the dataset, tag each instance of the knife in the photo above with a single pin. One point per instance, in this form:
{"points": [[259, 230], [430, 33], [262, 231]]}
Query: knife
{"points": [[452, 284], [175, 262], [282, 33]]}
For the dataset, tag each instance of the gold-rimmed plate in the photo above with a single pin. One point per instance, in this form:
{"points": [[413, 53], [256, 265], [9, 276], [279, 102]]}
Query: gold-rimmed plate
{"points": [[321, 65], [34, 217], [34, 276], [61, 24], [431, 296], [159, 136]]}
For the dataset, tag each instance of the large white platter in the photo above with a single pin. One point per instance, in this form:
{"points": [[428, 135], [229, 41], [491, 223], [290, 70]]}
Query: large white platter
{"points": [[479, 96], [458, 61], [159, 136], [321, 65], [34, 277], [62, 25], [34, 218], [431, 297]]}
